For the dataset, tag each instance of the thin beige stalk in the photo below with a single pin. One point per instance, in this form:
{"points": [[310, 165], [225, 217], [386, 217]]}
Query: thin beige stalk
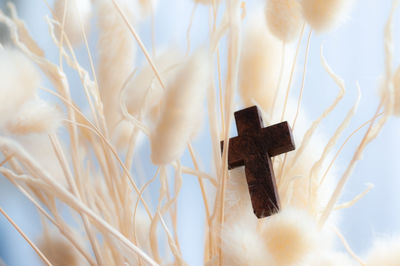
{"points": [[64, 230], [175, 251], [231, 83], [303, 79], [355, 199], [93, 129], [292, 72], [35, 248], [71, 181], [372, 132], [48, 184], [189, 29], [347, 246], [60, 57], [278, 85], [342, 146], [332, 141], [140, 43], [310, 132], [203, 191]]}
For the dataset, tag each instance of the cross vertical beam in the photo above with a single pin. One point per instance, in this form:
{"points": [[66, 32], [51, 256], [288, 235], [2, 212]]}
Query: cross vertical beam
{"points": [[253, 147]]}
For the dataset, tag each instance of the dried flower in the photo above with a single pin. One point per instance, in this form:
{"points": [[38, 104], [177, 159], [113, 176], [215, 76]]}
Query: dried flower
{"points": [[116, 48], [290, 236], [181, 108], [325, 14], [19, 81], [35, 116], [284, 19], [259, 65], [58, 250], [243, 245], [384, 252], [75, 16]]}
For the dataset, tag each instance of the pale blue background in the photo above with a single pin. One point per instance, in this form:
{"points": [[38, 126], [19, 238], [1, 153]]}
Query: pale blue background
{"points": [[354, 51]]}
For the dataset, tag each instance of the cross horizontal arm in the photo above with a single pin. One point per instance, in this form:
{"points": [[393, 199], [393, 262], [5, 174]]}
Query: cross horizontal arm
{"points": [[277, 139], [236, 155]]}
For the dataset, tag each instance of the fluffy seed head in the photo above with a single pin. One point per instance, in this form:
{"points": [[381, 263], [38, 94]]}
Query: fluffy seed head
{"points": [[284, 19], [384, 252], [58, 251], [259, 65], [116, 56], [183, 105], [237, 197], [243, 245], [144, 91], [325, 14], [19, 80], [34, 117], [289, 235], [77, 18], [147, 6]]}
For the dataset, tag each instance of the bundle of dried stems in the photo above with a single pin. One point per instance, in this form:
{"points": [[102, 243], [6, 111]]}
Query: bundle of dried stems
{"points": [[91, 168]]}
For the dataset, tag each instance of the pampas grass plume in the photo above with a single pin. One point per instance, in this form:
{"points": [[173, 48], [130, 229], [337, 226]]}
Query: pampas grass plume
{"points": [[19, 80], [148, 6], [325, 14], [144, 92], [290, 236], [182, 107], [243, 245], [284, 18], [259, 65], [237, 197], [384, 252], [59, 251], [77, 18], [34, 117], [116, 48]]}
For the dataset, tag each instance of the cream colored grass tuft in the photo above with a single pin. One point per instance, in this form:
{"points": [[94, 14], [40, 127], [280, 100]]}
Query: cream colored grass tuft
{"points": [[19, 81], [237, 197], [181, 110], [243, 245], [104, 185], [260, 64], [116, 48], [35, 116], [385, 251], [144, 92], [323, 15], [59, 251], [284, 19], [75, 16], [290, 236], [147, 7]]}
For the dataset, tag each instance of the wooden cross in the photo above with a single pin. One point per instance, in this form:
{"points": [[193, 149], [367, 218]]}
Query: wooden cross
{"points": [[253, 147]]}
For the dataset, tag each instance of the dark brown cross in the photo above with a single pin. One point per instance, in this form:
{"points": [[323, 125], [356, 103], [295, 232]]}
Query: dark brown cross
{"points": [[253, 147]]}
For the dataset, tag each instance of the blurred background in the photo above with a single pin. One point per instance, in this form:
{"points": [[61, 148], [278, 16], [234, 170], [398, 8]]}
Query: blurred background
{"points": [[354, 51]]}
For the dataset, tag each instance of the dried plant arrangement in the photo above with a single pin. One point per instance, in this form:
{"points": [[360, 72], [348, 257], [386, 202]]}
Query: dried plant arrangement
{"points": [[88, 156]]}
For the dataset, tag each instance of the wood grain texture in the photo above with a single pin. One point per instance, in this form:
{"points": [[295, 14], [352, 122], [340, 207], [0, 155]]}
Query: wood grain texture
{"points": [[253, 147]]}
